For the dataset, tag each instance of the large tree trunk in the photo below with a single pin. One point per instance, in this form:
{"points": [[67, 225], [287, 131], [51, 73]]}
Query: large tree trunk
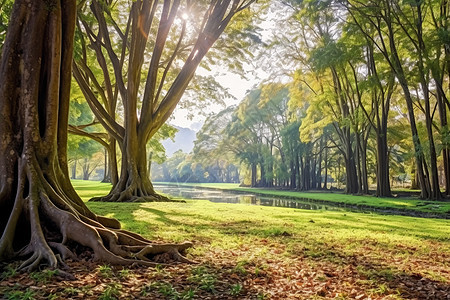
{"points": [[351, 186], [41, 216], [134, 183]]}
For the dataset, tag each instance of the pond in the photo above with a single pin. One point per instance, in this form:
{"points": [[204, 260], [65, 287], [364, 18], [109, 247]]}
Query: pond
{"points": [[221, 196], [226, 196]]}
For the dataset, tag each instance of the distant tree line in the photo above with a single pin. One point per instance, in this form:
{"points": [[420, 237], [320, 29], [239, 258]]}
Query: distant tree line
{"points": [[181, 167]]}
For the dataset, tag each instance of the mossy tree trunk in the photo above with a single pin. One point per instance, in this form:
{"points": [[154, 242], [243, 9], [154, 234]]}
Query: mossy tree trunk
{"points": [[41, 216]]}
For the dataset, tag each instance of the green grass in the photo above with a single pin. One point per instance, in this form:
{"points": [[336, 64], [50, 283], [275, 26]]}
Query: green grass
{"points": [[409, 203], [388, 244], [224, 223], [88, 189], [251, 252], [221, 223]]}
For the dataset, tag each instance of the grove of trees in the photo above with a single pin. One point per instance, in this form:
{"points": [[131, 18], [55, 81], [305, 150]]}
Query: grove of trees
{"points": [[358, 96]]}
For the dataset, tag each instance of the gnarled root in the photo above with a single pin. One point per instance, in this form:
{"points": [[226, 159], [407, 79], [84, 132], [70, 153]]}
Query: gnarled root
{"points": [[54, 230], [133, 192], [131, 196], [174, 250]]}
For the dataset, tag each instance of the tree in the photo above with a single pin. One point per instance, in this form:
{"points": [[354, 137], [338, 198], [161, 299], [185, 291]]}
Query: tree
{"points": [[149, 92], [42, 217], [386, 19], [358, 52]]}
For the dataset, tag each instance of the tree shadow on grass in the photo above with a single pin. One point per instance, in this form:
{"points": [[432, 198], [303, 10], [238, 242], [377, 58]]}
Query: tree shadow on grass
{"points": [[139, 218], [161, 216]]}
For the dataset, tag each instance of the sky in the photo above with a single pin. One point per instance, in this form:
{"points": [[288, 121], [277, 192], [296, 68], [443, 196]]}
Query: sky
{"points": [[237, 86]]}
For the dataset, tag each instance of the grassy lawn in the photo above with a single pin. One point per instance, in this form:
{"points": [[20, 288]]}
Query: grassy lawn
{"points": [[257, 252], [410, 203], [89, 189], [325, 254], [282, 252]]}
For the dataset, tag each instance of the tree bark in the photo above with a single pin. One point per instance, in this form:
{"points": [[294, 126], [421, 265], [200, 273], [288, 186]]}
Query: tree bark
{"points": [[351, 186], [86, 169], [358, 162], [106, 172], [293, 172], [263, 173], [134, 183], [319, 167], [364, 172], [111, 173], [41, 216]]}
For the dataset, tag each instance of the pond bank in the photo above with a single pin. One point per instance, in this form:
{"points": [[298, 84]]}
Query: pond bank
{"points": [[405, 206]]}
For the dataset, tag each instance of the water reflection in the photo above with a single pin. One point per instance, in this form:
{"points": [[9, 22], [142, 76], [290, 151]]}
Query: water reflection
{"points": [[220, 196]]}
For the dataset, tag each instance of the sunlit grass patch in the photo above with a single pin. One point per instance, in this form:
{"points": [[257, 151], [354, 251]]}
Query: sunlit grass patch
{"points": [[88, 189]]}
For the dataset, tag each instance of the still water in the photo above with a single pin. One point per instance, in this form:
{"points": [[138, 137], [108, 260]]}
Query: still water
{"points": [[220, 196]]}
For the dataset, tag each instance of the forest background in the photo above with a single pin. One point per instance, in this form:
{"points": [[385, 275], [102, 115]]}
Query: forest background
{"points": [[353, 95]]}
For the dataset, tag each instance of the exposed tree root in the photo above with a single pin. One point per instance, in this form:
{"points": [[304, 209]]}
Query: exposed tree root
{"points": [[129, 197], [133, 192], [55, 225], [42, 219]]}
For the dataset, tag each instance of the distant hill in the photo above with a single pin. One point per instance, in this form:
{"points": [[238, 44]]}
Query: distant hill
{"points": [[184, 140]]}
